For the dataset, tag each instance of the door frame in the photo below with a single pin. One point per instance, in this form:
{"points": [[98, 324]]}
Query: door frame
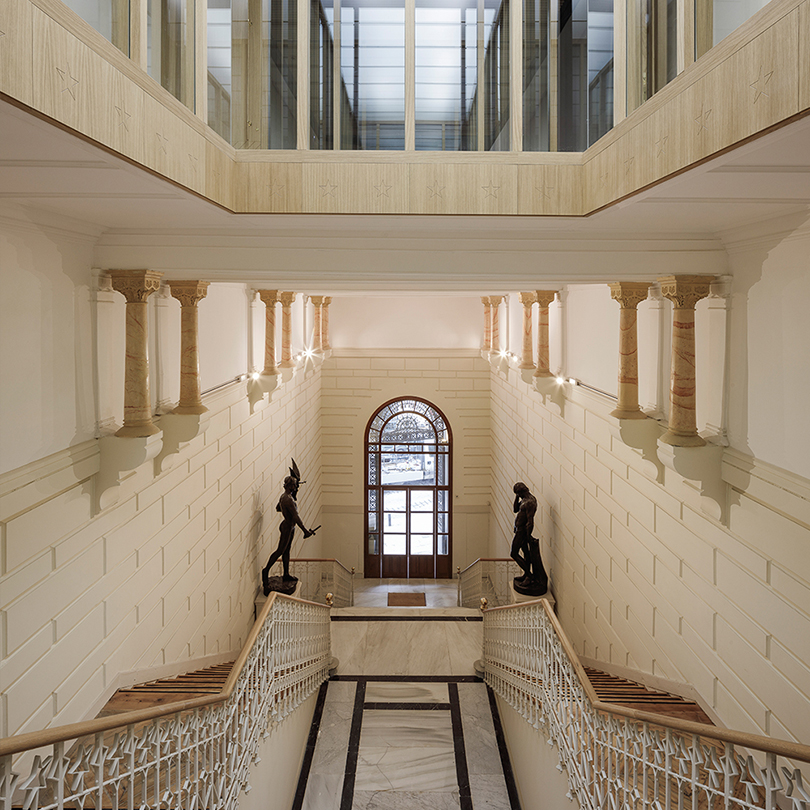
{"points": [[373, 563]]}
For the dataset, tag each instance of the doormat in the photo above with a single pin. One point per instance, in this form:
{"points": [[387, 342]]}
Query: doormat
{"points": [[412, 599]]}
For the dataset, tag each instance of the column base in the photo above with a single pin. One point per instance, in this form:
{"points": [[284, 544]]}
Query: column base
{"points": [[190, 410], [543, 373], [137, 431], [620, 413], [682, 439], [526, 365]]}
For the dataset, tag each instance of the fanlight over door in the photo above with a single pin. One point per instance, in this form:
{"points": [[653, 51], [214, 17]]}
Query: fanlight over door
{"points": [[408, 446]]}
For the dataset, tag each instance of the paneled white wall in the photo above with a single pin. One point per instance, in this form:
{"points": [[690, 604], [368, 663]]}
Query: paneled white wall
{"points": [[354, 386]]}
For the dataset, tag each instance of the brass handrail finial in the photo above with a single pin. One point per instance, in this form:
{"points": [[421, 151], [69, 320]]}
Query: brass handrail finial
{"points": [[484, 603]]}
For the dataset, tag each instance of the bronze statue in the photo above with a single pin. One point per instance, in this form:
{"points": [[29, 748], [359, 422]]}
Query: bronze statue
{"points": [[525, 548], [289, 509]]}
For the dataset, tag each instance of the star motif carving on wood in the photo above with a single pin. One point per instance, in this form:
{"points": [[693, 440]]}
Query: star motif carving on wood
{"points": [[382, 189], [2, 33], [661, 145], [435, 190], [545, 190], [703, 119], [277, 188], [603, 179], [490, 191], [759, 84], [195, 161], [628, 165], [123, 117], [328, 189], [69, 80], [162, 141]]}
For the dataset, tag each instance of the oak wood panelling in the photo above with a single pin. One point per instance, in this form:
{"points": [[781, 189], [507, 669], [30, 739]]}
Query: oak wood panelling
{"points": [[555, 189], [15, 57], [270, 187], [220, 171], [463, 189], [804, 56], [375, 188]]}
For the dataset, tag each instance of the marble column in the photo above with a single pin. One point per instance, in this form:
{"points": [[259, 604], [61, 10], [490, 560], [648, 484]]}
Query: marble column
{"points": [[487, 324], [684, 292], [286, 299], [317, 327], [629, 294], [270, 298], [325, 344], [495, 335], [189, 294], [544, 298], [527, 299], [136, 286]]}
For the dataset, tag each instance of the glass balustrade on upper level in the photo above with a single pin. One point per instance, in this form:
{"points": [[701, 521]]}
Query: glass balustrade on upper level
{"points": [[426, 75]]}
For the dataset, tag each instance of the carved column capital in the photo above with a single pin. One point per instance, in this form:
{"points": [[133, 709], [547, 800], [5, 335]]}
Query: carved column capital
{"points": [[685, 291], [485, 300], [528, 298], [629, 293], [317, 300], [135, 285], [495, 300], [270, 297], [545, 297], [189, 293], [286, 298]]}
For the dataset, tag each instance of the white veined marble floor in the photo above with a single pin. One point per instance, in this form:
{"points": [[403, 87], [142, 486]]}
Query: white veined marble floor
{"points": [[439, 593], [393, 746]]}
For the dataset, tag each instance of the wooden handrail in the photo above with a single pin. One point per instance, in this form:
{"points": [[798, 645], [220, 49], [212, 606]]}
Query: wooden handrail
{"points": [[487, 559], [49, 736], [783, 748]]}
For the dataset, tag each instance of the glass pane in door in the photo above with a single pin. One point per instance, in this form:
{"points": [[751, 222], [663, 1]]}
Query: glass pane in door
{"points": [[422, 544]]}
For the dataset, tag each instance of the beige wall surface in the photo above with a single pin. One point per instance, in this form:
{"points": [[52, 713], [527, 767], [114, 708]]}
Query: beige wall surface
{"points": [[643, 576], [354, 386]]}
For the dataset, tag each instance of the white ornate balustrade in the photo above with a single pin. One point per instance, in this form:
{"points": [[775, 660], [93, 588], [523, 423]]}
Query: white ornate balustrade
{"points": [[319, 577], [487, 578], [616, 757], [194, 754]]}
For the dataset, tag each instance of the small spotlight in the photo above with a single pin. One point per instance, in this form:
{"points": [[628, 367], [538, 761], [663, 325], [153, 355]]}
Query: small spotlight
{"points": [[503, 353], [309, 353], [573, 381], [255, 375], [560, 380]]}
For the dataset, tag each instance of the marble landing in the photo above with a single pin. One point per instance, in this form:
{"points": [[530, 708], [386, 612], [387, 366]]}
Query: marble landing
{"points": [[396, 744]]}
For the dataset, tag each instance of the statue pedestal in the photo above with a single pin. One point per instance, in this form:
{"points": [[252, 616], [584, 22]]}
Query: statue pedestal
{"points": [[516, 598], [258, 602]]}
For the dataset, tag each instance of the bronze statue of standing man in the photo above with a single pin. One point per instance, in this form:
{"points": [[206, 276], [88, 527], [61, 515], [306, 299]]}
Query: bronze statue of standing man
{"points": [[525, 548], [289, 510]]}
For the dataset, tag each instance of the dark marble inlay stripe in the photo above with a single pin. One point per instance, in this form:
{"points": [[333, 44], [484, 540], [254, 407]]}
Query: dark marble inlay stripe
{"points": [[309, 752], [506, 764], [407, 618], [419, 707], [347, 796], [462, 774], [408, 678]]}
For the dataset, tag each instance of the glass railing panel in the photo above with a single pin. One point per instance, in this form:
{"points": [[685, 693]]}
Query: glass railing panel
{"points": [[170, 47], [446, 74], [585, 73], [536, 76], [652, 42], [716, 19], [321, 74], [219, 67], [109, 17], [372, 65], [495, 107]]}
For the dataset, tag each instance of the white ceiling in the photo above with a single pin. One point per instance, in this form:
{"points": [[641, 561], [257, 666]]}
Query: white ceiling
{"points": [[681, 225]]}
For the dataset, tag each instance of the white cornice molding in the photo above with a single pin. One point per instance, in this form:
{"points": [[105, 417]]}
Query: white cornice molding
{"points": [[36, 221]]}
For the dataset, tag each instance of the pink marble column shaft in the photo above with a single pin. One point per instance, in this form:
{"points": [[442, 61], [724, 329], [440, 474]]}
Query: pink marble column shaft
{"points": [[317, 324], [487, 324], [136, 286], [495, 338], [270, 298], [684, 292], [527, 299], [629, 294], [325, 343], [286, 299], [189, 294], [544, 298]]}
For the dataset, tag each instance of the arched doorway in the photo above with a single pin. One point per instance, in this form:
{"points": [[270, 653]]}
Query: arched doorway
{"points": [[408, 493]]}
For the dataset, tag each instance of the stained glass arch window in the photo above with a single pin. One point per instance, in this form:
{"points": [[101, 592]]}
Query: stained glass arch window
{"points": [[408, 476]]}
